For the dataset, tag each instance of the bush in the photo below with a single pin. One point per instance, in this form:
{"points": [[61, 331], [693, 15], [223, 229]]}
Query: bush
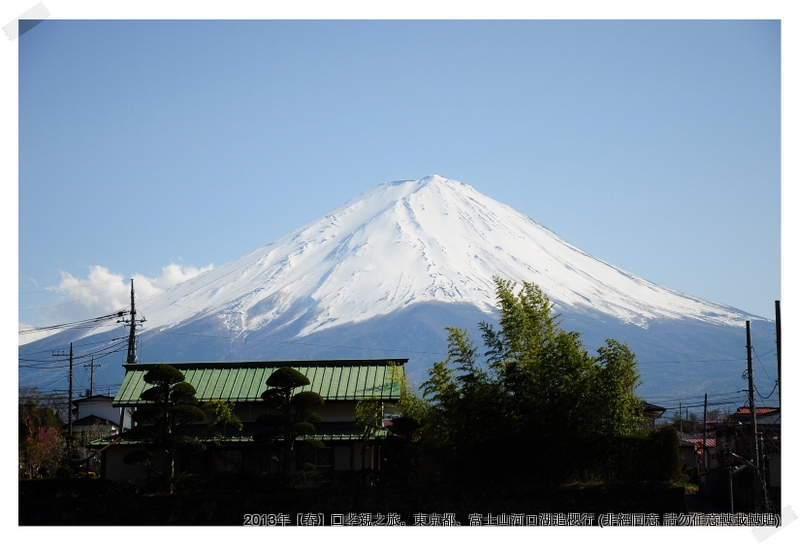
{"points": [[653, 456]]}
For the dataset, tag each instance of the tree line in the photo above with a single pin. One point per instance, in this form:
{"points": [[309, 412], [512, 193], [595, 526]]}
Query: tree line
{"points": [[532, 404]]}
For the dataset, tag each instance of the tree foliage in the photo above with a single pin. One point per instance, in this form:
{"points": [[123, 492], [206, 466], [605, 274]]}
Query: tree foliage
{"points": [[42, 447], [221, 415], [368, 417], [537, 397], [172, 405], [57, 403], [289, 416]]}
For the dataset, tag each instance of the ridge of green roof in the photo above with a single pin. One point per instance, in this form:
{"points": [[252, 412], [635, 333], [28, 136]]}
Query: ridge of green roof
{"points": [[272, 363], [334, 380]]}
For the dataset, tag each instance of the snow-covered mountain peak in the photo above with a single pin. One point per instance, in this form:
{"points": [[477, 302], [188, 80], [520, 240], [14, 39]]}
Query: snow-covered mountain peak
{"points": [[408, 242], [403, 189]]}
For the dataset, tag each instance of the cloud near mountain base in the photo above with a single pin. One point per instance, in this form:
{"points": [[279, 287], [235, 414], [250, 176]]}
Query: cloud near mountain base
{"points": [[103, 292]]}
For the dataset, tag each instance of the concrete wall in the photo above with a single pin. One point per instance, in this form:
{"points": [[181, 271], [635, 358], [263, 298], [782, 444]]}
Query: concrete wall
{"points": [[115, 469]]}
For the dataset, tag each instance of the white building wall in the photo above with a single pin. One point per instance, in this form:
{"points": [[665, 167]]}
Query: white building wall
{"points": [[102, 407]]}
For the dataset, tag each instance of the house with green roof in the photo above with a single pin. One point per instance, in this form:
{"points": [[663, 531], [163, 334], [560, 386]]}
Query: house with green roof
{"points": [[341, 383]]}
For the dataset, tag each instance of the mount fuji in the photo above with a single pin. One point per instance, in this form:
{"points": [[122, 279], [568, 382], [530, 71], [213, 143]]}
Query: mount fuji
{"points": [[382, 275]]}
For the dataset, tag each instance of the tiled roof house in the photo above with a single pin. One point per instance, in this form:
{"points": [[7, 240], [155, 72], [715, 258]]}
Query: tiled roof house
{"points": [[341, 383]]}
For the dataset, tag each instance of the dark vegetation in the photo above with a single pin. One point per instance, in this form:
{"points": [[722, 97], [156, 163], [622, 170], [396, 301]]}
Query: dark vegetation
{"points": [[226, 499], [531, 424], [290, 417], [538, 409]]}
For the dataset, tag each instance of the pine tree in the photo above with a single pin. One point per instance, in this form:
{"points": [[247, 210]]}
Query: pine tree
{"points": [[172, 405], [289, 415]]}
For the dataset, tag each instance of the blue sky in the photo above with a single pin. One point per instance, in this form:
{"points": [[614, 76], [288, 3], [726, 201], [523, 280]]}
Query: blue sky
{"points": [[157, 148]]}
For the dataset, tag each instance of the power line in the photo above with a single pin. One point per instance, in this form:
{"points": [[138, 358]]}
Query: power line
{"points": [[116, 345], [762, 396], [689, 402], [74, 325]]}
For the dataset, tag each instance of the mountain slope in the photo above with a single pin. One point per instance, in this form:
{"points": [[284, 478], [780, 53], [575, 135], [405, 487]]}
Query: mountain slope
{"points": [[409, 242], [388, 270]]}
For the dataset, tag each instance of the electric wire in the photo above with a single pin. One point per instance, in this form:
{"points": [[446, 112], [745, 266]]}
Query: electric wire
{"points": [[80, 324], [109, 347]]}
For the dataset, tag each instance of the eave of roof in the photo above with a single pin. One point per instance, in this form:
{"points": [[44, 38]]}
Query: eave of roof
{"points": [[649, 407], [759, 411], [92, 419], [710, 442], [334, 380], [98, 397], [327, 431]]}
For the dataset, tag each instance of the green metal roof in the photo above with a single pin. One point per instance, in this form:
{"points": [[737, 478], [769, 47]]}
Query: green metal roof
{"points": [[334, 380]]}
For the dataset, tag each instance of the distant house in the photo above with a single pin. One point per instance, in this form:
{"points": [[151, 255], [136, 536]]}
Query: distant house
{"points": [[698, 450], [341, 383], [768, 422], [732, 481], [764, 415], [98, 412], [651, 413]]}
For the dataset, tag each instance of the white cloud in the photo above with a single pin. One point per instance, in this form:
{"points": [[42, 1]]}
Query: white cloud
{"points": [[170, 275], [102, 292]]}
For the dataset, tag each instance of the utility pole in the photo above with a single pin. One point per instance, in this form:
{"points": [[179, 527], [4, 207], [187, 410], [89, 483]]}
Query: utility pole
{"points": [[91, 379], [69, 406], [754, 450], [132, 335], [70, 390], [778, 342], [705, 431]]}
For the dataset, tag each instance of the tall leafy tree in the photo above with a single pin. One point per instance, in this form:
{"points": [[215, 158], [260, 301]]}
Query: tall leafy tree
{"points": [[33, 416], [172, 404], [42, 446], [289, 415], [368, 418], [540, 393], [368, 423], [441, 389], [619, 409], [465, 400], [540, 367], [409, 431], [221, 417]]}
